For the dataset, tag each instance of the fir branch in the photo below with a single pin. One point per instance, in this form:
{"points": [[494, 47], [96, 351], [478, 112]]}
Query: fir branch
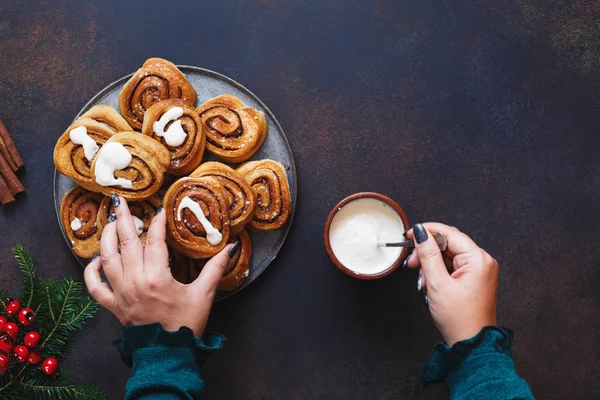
{"points": [[61, 310], [3, 295], [74, 308], [30, 285], [60, 388]]}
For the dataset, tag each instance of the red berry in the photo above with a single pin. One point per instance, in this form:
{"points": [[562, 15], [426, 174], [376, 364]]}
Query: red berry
{"points": [[49, 366], [11, 329], [22, 353], [3, 321], [13, 307], [31, 339], [6, 344], [4, 363], [34, 357], [26, 316]]}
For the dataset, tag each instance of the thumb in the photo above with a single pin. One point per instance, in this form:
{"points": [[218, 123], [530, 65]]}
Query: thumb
{"points": [[213, 271], [430, 257]]}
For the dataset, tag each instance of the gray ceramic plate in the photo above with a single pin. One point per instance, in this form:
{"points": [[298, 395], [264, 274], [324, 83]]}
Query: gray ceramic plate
{"points": [[209, 84]]}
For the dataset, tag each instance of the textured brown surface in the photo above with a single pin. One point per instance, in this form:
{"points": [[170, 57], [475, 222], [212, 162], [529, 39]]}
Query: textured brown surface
{"points": [[483, 114]]}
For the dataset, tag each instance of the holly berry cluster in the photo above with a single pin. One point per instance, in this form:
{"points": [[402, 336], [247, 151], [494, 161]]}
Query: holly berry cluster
{"points": [[19, 345]]}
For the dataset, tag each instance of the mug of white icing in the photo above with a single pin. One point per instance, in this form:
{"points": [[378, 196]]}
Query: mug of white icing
{"points": [[357, 226]]}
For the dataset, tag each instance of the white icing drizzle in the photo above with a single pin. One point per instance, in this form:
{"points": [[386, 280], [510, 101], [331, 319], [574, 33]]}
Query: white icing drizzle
{"points": [[213, 235], [175, 135], [76, 224], [139, 225], [79, 136], [112, 156]]}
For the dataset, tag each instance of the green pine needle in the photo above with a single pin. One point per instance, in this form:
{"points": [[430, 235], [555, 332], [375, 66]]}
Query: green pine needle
{"points": [[30, 284], [62, 309]]}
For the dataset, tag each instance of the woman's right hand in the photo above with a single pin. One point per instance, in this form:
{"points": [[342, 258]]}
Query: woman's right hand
{"points": [[460, 283]]}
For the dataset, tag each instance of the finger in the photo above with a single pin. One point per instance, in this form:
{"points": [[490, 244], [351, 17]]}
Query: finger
{"points": [[156, 254], [98, 289], [211, 274], [458, 242], [109, 254], [132, 251], [430, 257]]}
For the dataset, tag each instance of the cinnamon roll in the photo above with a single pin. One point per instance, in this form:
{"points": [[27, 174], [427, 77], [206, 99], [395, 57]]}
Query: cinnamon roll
{"points": [[241, 200], [177, 126], [77, 147], [269, 181], [142, 212], [234, 132], [156, 80], [78, 212], [197, 218], [109, 117], [237, 269], [131, 165]]}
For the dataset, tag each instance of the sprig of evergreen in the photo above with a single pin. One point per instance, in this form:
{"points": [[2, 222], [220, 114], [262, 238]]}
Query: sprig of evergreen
{"points": [[62, 309]]}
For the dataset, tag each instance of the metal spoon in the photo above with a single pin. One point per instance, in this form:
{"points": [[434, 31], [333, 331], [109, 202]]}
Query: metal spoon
{"points": [[440, 239]]}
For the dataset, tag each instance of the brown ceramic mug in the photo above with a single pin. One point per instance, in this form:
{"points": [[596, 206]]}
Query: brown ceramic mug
{"points": [[365, 195]]}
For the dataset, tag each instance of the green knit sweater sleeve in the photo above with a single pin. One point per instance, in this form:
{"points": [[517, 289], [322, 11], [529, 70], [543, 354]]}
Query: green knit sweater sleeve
{"points": [[479, 368], [165, 365]]}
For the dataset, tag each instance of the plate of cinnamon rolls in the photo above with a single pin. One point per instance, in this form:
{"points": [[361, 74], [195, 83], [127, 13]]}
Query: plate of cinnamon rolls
{"points": [[193, 141]]}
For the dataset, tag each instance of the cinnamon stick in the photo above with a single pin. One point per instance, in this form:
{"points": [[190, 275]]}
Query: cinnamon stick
{"points": [[9, 150], [11, 180], [5, 193]]}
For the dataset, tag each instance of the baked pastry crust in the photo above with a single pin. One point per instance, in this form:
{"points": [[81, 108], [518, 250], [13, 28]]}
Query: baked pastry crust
{"points": [[187, 236], [84, 205], [234, 132], [269, 181], [241, 199], [156, 80], [187, 156]]}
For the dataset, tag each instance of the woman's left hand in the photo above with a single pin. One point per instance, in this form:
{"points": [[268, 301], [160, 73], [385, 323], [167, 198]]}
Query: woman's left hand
{"points": [[142, 289]]}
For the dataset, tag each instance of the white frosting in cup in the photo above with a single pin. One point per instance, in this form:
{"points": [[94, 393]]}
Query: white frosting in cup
{"points": [[213, 235], [80, 136], [356, 231], [175, 135], [112, 157]]}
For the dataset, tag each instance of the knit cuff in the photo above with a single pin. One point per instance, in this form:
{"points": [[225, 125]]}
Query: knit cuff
{"points": [[490, 339], [154, 335]]}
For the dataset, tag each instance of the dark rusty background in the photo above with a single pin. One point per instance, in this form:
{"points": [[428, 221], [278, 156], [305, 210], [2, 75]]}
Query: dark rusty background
{"points": [[480, 113]]}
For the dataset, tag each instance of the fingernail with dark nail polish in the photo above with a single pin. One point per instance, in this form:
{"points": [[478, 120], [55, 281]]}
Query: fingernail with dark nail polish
{"points": [[112, 217], [405, 234], [116, 200], [234, 249], [159, 209], [426, 299], [405, 263], [420, 233], [419, 283]]}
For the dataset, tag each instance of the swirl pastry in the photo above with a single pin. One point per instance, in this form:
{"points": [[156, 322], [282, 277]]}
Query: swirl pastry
{"points": [[109, 117], [241, 200], [269, 181], [177, 126], [234, 132], [78, 212], [131, 165], [197, 218], [142, 212], [156, 80], [77, 147], [237, 269]]}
